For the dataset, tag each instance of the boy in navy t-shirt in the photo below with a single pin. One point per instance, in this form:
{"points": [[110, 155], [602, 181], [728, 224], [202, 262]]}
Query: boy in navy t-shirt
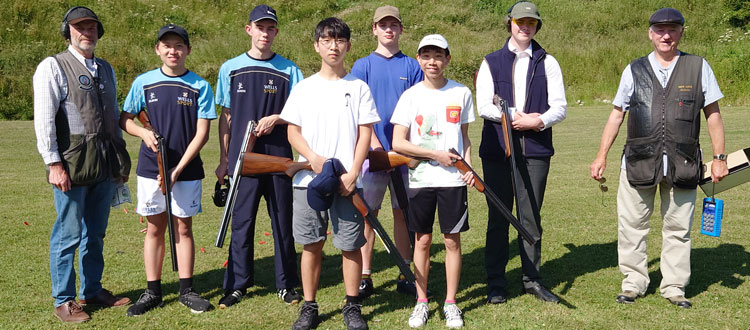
{"points": [[180, 106], [388, 73], [255, 86]]}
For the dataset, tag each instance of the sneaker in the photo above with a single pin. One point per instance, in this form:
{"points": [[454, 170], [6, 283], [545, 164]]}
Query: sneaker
{"points": [[403, 286], [418, 317], [196, 304], [145, 303], [230, 298], [289, 296], [366, 288], [308, 317], [353, 317], [453, 317]]}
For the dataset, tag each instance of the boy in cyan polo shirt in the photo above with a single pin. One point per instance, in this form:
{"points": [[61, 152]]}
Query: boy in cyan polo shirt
{"points": [[388, 73], [180, 106], [430, 119]]}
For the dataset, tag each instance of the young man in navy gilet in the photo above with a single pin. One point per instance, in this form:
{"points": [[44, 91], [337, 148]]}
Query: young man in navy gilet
{"points": [[530, 80], [255, 86]]}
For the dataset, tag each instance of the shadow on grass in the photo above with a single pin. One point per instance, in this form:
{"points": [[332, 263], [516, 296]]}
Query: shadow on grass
{"points": [[722, 265], [578, 261]]}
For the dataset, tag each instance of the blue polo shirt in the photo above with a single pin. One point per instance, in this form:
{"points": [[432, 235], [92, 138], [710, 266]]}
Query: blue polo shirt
{"points": [[254, 89], [174, 105], [388, 78]]}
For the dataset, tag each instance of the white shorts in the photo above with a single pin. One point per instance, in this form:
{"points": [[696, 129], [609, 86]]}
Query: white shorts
{"points": [[186, 198], [375, 183]]}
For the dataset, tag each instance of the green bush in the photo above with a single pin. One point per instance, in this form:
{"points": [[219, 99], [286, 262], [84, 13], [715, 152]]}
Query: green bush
{"points": [[592, 40]]}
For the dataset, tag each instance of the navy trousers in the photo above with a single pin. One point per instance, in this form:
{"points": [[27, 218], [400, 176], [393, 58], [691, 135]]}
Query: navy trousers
{"points": [[532, 182], [277, 191]]}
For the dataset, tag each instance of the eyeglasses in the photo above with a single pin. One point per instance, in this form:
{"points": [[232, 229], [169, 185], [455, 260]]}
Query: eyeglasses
{"points": [[603, 188], [529, 22], [603, 184], [326, 42]]}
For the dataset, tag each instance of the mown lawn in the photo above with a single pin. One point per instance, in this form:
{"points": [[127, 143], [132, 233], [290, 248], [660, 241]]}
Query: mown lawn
{"points": [[580, 261]]}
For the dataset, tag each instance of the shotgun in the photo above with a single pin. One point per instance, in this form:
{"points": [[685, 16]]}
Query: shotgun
{"points": [[248, 142], [256, 164], [166, 182], [464, 167], [386, 160]]}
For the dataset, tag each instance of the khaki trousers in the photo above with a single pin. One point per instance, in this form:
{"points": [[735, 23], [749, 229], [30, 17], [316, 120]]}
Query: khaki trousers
{"points": [[634, 208]]}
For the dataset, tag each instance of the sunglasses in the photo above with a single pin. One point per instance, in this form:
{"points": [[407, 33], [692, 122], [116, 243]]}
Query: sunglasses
{"points": [[528, 21], [603, 184]]}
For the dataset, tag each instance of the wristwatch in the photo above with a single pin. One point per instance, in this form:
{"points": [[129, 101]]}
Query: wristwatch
{"points": [[721, 156]]}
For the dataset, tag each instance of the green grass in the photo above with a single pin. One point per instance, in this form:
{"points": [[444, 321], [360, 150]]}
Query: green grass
{"points": [[579, 253], [592, 40]]}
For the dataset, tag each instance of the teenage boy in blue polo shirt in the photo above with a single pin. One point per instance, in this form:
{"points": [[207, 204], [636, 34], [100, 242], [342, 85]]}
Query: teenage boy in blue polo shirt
{"points": [[255, 86], [180, 106], [388, 73]]}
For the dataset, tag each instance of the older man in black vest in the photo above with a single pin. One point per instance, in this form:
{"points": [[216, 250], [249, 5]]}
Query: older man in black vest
{"points": [[75, 116], [663, 93]]}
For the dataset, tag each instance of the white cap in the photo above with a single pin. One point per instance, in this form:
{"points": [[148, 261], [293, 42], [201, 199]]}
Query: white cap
{"points": [[433, 40]]}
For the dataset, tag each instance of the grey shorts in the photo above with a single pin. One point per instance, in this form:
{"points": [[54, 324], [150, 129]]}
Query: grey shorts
{"points": [[309, 226]]}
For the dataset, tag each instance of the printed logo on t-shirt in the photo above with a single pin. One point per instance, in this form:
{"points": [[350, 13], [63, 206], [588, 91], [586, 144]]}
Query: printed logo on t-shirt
{"points": [[240, 88], [184, 100], [152, 98], [270, 88], [453, 113]]}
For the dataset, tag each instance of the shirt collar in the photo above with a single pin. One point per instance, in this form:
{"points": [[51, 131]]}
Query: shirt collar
{"points": [[80, 57], [513, 49]]}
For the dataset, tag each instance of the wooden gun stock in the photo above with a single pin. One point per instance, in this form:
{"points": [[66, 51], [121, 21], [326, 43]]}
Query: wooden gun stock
{"points": [[463, 167], [146, 122], [504, 121], [256, 164], [386, 160]]}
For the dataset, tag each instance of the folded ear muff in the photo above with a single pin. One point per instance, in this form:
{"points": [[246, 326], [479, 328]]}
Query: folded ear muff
{"points": [[65, 27]]}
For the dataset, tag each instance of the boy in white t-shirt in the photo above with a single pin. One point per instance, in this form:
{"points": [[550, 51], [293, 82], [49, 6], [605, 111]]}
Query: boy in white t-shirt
{"points": [[431, 118], [330, 115]]}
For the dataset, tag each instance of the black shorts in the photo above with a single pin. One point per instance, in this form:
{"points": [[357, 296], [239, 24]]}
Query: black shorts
{"points": [[451, 204]]}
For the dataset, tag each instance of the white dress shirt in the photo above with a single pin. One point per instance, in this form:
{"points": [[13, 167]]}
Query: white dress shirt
{"points": [[555, 88]]}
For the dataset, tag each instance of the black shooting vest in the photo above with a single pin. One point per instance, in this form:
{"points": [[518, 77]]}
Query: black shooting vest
{"points": [[665, 120], [99, 153]]}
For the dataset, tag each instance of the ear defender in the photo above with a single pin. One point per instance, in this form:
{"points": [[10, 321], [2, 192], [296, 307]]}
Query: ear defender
{"points": [[65, 27]]}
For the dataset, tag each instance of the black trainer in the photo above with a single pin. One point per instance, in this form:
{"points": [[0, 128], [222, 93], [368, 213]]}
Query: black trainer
{"points": [[366, 288], [308, 317], [193, 301], [230, 298], [353, 317], [145, 303], [403, 286], [289, 296]]}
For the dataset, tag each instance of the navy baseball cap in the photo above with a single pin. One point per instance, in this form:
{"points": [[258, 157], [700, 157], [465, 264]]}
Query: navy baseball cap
{"points": [[667, 16], [176, 29], [263, 12], [322, 189]]}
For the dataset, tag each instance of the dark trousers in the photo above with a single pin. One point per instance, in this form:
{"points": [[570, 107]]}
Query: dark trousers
{"points": [[277, 191], [531, 184]]}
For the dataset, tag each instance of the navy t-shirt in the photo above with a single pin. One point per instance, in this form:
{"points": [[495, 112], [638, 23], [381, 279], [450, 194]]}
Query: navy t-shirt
{"points": [[254, 89], [174, 105]]}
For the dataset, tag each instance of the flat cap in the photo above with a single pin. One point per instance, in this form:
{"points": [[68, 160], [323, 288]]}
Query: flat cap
{"points": [[667, 16]]}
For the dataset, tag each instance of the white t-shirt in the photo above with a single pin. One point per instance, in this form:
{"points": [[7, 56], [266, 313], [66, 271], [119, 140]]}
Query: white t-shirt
{"points": [[329, 113], [434, 118]]}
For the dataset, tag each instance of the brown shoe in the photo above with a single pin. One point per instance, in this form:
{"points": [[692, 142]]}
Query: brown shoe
{"points": [[627, 297], [680, 301], [107, 299], [71, 311]]}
